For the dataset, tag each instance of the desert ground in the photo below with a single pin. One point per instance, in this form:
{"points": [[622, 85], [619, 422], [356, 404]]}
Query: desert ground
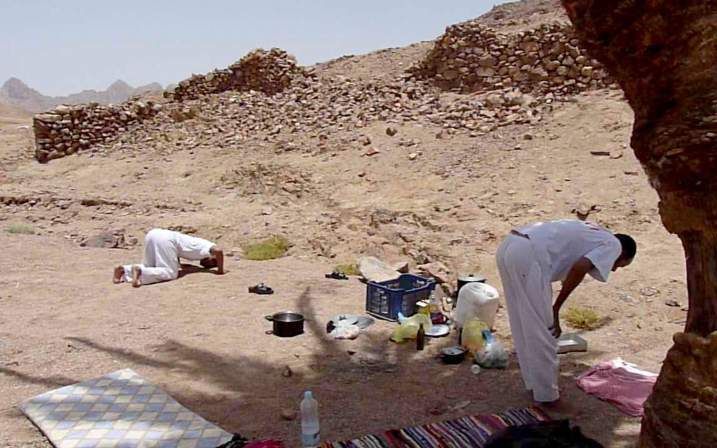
{"points": [[202, 338]]}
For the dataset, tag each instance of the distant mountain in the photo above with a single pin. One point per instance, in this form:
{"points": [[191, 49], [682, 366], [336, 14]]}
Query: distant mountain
{"points": [[16, 93]]}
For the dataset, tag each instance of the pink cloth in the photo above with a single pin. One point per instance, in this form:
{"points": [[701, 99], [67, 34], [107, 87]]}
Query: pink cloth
{"points": [[620, 383]]}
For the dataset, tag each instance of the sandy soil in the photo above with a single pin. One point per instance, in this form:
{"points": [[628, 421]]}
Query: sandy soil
{"points": [[202, 337]]}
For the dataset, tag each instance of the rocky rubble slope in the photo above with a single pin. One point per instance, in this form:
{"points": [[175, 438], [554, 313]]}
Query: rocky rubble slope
{"points": [[512, 77]]}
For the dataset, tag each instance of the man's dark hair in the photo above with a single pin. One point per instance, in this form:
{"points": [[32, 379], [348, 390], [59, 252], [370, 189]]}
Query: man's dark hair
{"points": [[629, 246]]}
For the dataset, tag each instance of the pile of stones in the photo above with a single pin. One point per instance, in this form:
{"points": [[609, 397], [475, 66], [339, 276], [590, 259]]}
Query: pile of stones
{"points": [[263, 71], [511, 78], [471, 57]]}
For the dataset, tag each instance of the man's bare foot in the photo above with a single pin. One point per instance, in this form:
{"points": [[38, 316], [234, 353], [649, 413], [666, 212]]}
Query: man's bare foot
{"points": [[560, 407], [136, 272], [117, 275]]}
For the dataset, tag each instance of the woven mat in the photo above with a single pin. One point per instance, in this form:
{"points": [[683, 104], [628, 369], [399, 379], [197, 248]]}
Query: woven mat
{"points": [[121, 409], [459, 433]]}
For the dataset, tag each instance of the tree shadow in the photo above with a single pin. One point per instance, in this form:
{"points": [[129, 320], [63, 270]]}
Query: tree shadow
{"points": [[364, 386]]}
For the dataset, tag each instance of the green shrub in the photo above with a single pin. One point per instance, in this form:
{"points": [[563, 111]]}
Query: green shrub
{"points": [[268, 249], [348, 269], [20, 229], [583, 318]]}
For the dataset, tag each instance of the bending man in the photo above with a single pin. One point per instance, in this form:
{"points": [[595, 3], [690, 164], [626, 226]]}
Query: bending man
{"points": [[530, 259], [162, 251]]}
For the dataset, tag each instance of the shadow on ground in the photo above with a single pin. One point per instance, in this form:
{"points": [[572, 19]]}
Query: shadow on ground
{"points": [[398, 384]]}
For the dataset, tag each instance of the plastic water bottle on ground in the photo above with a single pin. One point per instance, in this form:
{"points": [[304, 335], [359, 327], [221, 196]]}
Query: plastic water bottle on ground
{"points": [[309, 421]]}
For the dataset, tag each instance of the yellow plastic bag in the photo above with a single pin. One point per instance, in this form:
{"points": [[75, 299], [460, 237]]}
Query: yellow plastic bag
{"points": [[408, 329], [472, 335]]}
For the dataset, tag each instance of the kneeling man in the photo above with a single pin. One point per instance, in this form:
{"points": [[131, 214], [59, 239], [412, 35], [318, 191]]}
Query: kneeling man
{"points": [[162, 251]]}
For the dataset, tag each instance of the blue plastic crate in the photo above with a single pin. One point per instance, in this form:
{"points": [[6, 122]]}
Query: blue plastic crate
{"points": [[386, 299]]}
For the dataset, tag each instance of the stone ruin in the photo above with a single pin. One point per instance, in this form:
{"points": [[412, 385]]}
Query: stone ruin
{"points": [[471, 57], [269, 72], [515, 73], [69, 129]]}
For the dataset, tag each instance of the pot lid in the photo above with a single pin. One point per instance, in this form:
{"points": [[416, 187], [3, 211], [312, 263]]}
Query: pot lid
{"points": [[471, 278]]}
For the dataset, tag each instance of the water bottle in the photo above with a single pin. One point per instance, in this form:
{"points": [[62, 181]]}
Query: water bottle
{"points": [[309, 420]]}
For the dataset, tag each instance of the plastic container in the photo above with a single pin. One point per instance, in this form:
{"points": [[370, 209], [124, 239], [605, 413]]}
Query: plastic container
{"points": [[310, 433], [476, 300], [571, 342], [386, 299]]}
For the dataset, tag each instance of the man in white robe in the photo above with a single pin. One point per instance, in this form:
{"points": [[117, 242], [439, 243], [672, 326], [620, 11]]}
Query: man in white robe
{"points": [[529, 260], [162, 252]]}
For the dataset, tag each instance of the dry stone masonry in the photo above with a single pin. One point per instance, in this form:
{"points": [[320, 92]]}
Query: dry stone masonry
{"points": [[471, 57], [68, 129], [268, 72], [267, 96]]}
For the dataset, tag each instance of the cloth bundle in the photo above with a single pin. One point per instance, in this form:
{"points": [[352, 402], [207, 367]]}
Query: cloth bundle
{"points": [[620, 383]]}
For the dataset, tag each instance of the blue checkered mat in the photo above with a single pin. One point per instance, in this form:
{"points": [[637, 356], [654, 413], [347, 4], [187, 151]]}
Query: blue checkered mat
{"points": [[120, 410]]}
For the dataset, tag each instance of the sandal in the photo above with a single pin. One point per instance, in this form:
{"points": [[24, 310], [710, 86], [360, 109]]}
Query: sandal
{"points": [[337, 275], [261, 288]]}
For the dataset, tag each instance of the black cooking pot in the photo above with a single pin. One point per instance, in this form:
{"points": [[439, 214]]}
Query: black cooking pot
{"points": [[286, 324], [465, 279]]}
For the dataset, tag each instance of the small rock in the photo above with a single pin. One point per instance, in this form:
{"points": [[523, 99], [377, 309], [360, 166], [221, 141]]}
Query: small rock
{"points": [[390, 131], [287, 372], [372, 152], [672, 302], [626, 298], [649, 291], [365, 140], [373, 269], [616, 154], [266, 211], [437, 270], [528, 137], [412, 156], [288, 414], [351, 352], [631, 173], [600, 153], [461, 405], [362, 174], [401, 267]]}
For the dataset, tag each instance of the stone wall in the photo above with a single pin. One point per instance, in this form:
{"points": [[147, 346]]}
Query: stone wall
{"points": [[264, 71], [471, 57], [68, 129]]}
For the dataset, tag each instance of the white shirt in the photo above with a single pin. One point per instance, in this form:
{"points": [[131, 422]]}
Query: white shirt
{"points": [[566, 241], [177, 244]]}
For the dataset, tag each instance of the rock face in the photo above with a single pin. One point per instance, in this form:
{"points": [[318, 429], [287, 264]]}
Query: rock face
{"points": [[263, 71], [471, 57], [687, 415], [666, 68]]}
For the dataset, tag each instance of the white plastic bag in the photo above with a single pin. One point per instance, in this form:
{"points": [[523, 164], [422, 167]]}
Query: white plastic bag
{"points": [[476, 300], [345, 331], [493, 355]]}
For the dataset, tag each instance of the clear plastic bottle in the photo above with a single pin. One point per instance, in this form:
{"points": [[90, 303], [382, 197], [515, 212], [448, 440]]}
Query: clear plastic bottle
{"points": [[309, 421]]}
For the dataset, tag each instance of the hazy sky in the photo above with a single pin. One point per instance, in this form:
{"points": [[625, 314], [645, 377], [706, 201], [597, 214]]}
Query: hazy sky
{"points": [[60, 47]]}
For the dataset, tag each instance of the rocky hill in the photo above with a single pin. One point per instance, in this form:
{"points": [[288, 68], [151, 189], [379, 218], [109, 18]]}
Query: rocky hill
{"points": [[16, 93]]}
